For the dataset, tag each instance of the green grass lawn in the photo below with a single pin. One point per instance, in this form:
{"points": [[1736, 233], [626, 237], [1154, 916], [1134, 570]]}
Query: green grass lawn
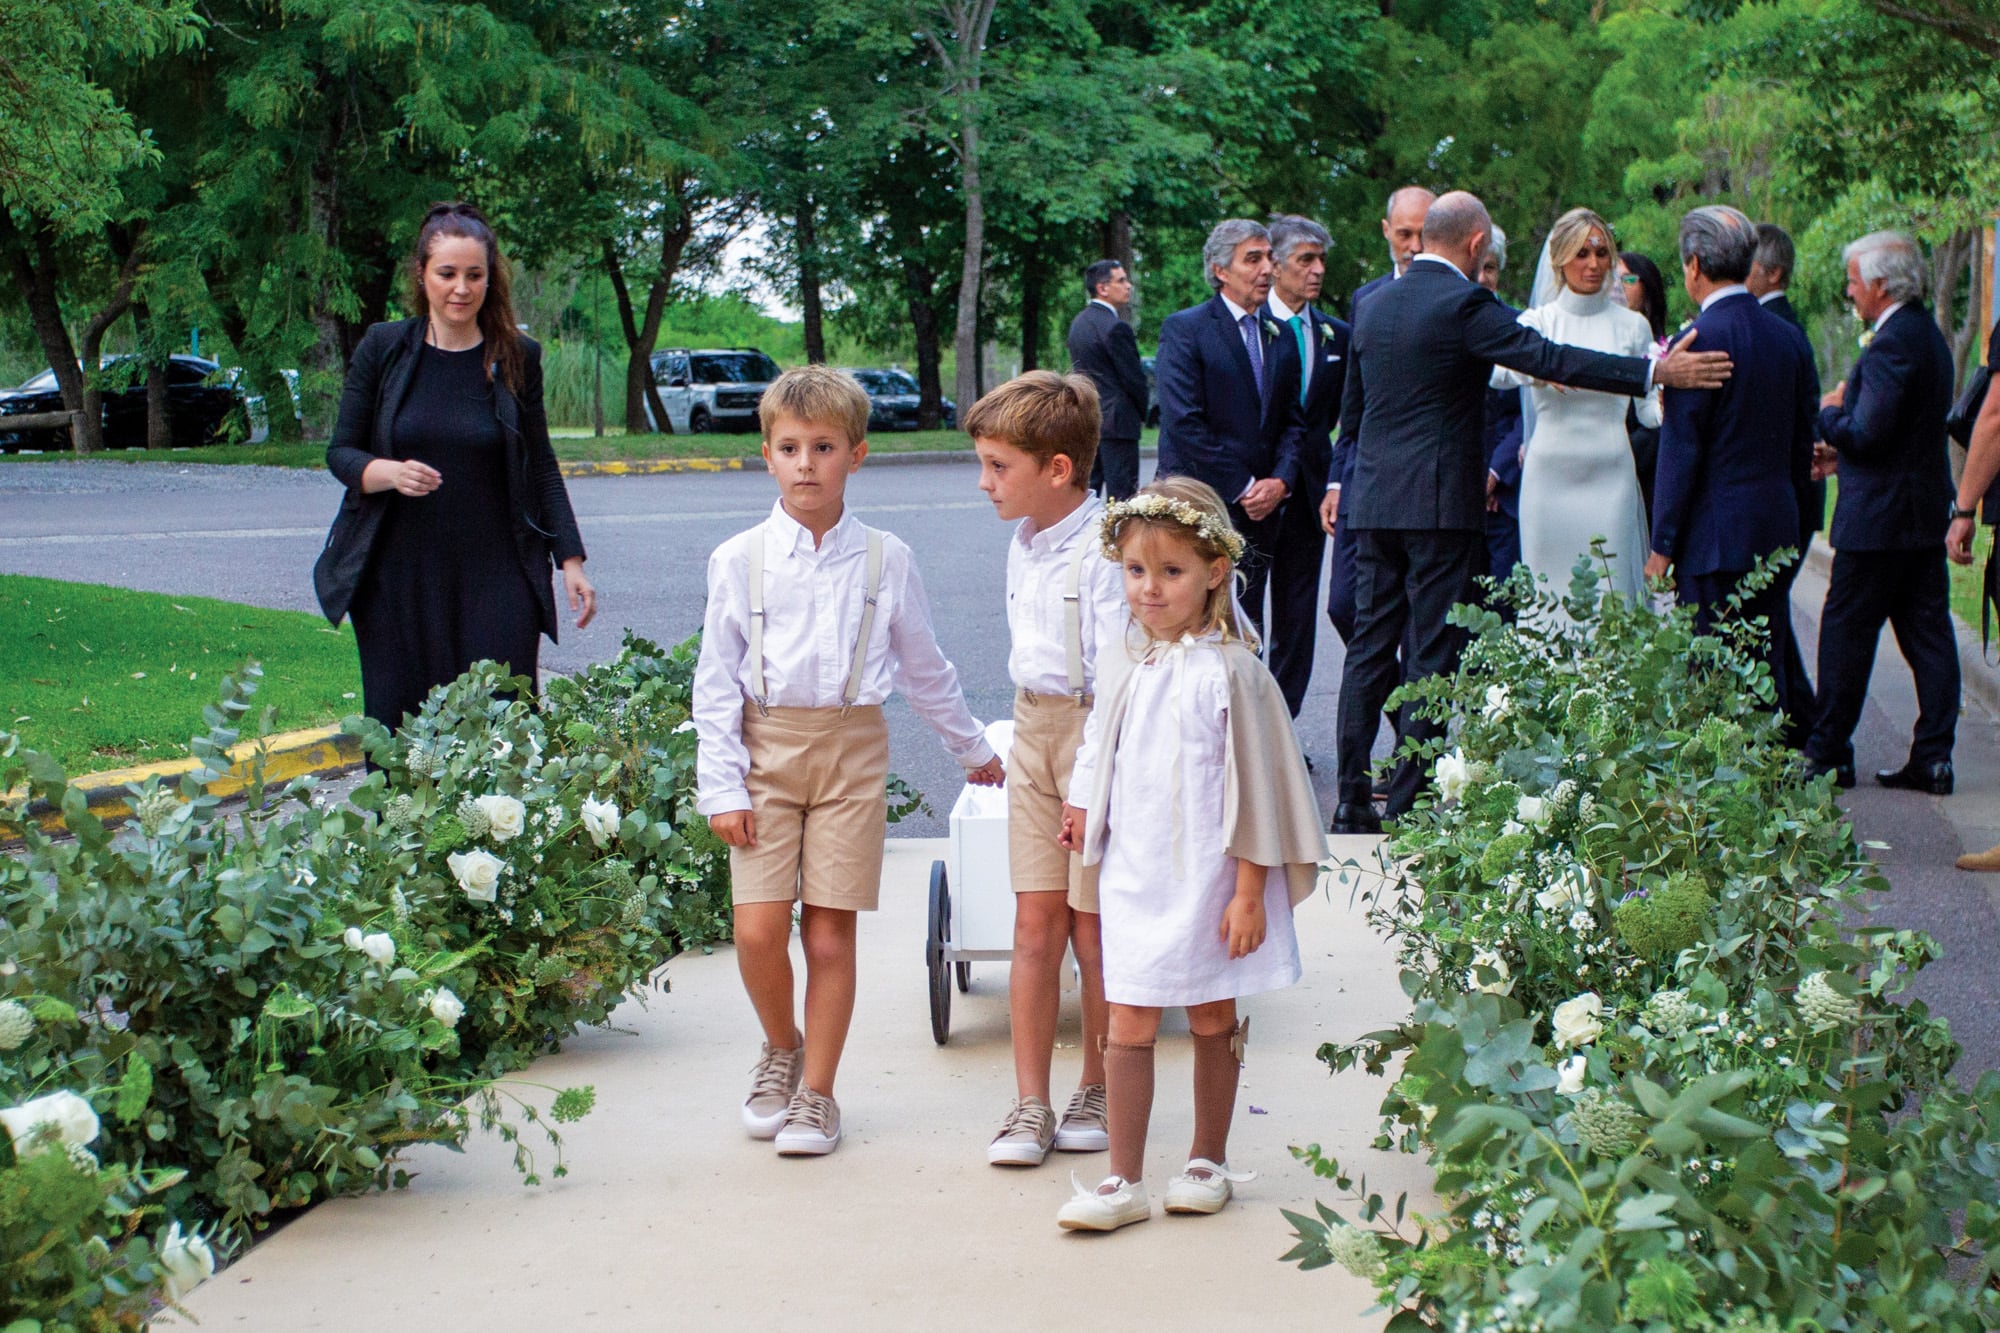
{"points": [[102, 677]]}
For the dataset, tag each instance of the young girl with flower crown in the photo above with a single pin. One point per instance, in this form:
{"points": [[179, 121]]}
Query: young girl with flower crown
{"points": [[1202, 822]]}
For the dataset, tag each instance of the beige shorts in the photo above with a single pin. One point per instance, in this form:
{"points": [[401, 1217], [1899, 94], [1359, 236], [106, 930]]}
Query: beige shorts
{"points": [[1048, 729], [817, 789]]}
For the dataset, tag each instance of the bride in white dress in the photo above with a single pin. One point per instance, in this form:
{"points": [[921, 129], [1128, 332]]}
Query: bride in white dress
{"points": [[1578, 481]]}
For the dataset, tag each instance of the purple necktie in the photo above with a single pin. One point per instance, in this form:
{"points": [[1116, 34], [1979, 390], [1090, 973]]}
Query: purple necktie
{"points": [[1255, 345]]}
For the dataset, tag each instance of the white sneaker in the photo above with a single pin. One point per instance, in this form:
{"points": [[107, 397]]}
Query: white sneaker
{"points": [[772, 1084], [1203, 1187], [812, 1125], [1025, 1136], [1117, 1202], [1084, 1125]]}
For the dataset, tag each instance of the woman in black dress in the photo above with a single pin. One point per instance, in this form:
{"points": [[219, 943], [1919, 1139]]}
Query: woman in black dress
{"points": [[1639, 282], [455, 508]]}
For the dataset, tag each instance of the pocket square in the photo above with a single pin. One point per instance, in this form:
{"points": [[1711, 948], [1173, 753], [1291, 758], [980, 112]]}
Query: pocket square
{"points": [[1331, 357]]}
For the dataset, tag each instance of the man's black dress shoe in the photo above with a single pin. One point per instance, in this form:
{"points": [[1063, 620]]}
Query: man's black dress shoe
{"points": [[1352, 817], [1933, 778], [1843, 774]]}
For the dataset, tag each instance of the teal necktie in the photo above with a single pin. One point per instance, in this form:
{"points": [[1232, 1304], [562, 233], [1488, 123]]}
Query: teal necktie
{"points": [[1305, 354]]}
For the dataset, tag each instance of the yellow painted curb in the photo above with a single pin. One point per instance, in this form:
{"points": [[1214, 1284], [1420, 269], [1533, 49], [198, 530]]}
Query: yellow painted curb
{"points": [[640, 467], [287, 755]]}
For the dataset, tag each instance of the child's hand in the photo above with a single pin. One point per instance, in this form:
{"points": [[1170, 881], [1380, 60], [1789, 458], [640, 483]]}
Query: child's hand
{"points": [[1243, 925], [738, 828], [988, 774], [1071, 837]]}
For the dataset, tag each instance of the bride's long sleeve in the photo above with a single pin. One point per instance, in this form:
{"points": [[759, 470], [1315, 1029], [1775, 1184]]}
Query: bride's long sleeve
{"points": [[1647, 409], [1504, 378]]}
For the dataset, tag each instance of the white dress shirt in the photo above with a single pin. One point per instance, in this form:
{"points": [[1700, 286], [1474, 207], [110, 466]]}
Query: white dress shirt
{"points": [[1733, 289], [1038, 565], [1098, 300], [1769, 296], [812, 612], [1883, 318]]}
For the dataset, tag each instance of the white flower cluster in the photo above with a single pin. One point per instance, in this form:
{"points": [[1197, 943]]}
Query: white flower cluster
{"points": [[1823, 1007], [379, 947], [185, 1260], [1578, 1021], [59, 1120], [1358, 1250], [600, 820], [16, 1025], [1214, 531]]}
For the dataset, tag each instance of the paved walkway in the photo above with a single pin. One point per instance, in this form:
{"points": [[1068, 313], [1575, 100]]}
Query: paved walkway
{"points": [[672, 1218]]}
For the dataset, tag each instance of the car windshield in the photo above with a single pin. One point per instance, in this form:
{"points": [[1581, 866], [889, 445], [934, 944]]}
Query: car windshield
{"points": [[45, 380], [735, 368], [885, 381]]}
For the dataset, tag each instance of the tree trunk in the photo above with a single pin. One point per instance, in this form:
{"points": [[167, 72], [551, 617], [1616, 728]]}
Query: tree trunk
{"points": [[810, 299], [965, 339], [921, 285], [1033, 278], [326, 363], [32, 261], [159, 424], [91, 345], [642, 335]]}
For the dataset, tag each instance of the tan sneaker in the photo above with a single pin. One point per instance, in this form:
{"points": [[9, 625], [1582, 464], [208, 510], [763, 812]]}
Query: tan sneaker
{"points": [[812, 1125], [1025, 1137], [772, 1084], [1084, 1127]]}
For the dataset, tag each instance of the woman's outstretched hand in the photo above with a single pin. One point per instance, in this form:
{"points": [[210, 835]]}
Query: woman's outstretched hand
{"points": [[582, 597]]}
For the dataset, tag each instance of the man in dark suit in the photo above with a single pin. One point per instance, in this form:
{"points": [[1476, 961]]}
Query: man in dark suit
{"points": [[1770, 275], [1403, 229], [1735, 466], [1422, 352], [1228, 377], [1884, 430], [1102, 346], [1298, 252], [1503, 443]]}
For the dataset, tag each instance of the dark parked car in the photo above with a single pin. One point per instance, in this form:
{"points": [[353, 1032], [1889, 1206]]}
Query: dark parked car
{"points": [[1152, 392], [893, 398], [711, 389], [200, 397]]}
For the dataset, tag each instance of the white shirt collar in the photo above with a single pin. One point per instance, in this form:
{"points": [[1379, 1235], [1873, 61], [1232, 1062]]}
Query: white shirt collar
{"points": [[1883, 318], [1058, 534], [1284, 313], [1733, 289], [1236, 312], [1098, 300], [799, 540], [1439, 259], [1770, 296]]}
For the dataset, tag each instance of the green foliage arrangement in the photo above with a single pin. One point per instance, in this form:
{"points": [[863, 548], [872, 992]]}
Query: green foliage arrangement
{"points": [[221, 1015], [1667, 1075]]}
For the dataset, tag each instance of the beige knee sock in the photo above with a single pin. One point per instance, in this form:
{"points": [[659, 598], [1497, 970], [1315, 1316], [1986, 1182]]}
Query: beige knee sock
{"points": [[1215, 1075], [1128, 1095]]}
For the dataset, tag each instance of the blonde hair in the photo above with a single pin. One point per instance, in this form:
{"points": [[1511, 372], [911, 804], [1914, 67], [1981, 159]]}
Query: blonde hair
{"points": [[819, 395], [1568, 237], [1191, 511], [1043, 414]]}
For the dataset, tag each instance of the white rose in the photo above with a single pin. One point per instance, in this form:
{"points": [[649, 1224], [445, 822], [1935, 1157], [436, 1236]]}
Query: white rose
{"points": [[1532, 810], [59, 1119], [186, 1261], [1569, 889], [381, 949], [1576, 1022], [1497, 702], [1569, 1075], [1487, 958], [600, 820], [478, 873], [353, 937], [447, 1008], [505, 816], [1453, 773]]}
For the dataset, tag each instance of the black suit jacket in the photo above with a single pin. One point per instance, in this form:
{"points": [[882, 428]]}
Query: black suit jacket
{"points": [[1814, 517], [1895, 473], [1735, 469], [378, 380], [1213, 424], [1327, 345], [1423, 350], [1103, 346], [1366, 290]]}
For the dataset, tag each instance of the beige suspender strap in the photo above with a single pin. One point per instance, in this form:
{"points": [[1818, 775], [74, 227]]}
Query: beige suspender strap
{"points": [[867, 629], [1073, 618], [759, 694]]}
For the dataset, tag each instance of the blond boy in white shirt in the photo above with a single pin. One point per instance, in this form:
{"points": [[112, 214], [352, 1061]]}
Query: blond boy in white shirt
{"points": [[1036, 437], [812, 619]]}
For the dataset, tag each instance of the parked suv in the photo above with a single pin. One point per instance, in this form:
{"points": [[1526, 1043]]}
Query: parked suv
{"points": [[200, 397], [711, 389]]}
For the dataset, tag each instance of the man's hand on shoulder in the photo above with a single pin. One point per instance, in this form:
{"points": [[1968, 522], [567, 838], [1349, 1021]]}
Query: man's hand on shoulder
{"points": [[1683, 369]]}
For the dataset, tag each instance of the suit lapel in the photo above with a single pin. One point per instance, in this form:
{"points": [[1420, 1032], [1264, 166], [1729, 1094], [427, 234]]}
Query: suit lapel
{"points": [[1234, 337]]}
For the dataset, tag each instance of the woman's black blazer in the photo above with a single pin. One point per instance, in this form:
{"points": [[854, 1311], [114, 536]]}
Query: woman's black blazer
{"points": [[378, 380]]}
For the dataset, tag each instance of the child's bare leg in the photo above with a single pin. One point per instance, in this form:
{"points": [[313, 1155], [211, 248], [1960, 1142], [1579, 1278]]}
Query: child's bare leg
{"points": [[828, 934], [1128, 1085], [764, 957], [1034, 989], [1216, 1073], [1087, 939]]}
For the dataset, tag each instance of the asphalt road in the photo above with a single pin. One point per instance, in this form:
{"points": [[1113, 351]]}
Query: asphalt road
{"points": [[250, 535]]}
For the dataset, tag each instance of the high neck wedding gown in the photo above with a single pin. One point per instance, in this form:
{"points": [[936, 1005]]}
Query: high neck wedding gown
{"points": [[1577, 478]]}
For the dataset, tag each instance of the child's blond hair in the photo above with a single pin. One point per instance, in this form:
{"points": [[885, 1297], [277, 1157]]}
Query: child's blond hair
{"points": [[1045, 415], [1192, 511], [818, 395]]}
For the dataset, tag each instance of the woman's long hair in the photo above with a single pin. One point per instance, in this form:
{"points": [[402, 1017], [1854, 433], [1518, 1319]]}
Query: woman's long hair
{"points": [[504, 357], [1652, 287]]}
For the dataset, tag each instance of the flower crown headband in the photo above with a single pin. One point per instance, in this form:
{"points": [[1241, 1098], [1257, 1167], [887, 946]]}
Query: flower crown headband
{"points": [[1165, 509]]}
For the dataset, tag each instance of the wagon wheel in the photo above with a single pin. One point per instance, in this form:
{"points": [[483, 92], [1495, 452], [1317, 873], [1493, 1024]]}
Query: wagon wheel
{"points": [[934, 951], [964, 977]]}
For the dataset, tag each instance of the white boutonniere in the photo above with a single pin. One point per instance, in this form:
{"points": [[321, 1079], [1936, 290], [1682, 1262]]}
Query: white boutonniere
{"points": [[1867, 336], [1270, 329]]}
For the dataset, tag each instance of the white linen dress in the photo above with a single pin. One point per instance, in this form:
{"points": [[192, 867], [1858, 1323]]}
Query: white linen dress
{"points": [[1578, 481], [1162, 930]]}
